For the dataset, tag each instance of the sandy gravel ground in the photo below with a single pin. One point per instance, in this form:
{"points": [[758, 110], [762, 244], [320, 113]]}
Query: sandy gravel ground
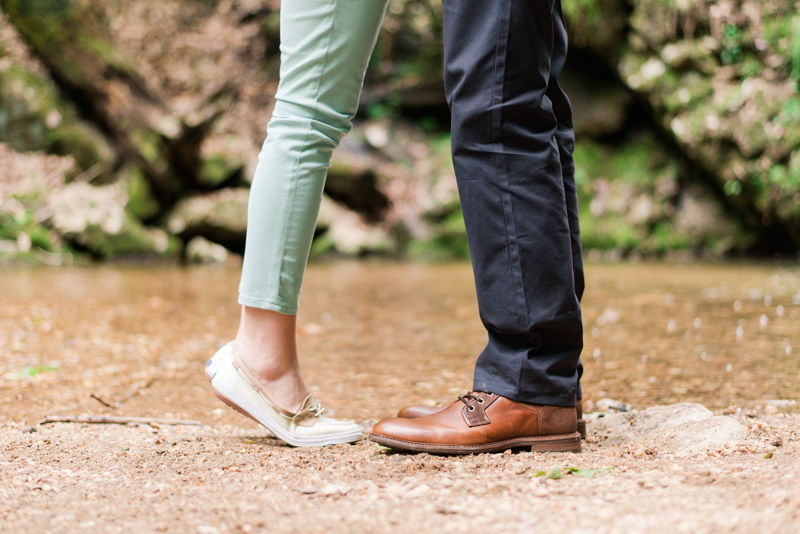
{"points": [[140, 478], [374, 337]]}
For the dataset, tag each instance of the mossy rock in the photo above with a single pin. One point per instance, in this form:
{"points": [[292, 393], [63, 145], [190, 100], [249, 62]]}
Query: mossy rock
{"points": [[94, 219], [220, 217], [71, 36], [29, 107], [632, 197], [88, 146], [217, 168], [33, 117], [141, 202]]}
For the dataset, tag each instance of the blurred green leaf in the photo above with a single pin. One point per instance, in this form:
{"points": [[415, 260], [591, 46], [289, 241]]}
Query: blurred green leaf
{"points": [[35, 370], [589, 473]]}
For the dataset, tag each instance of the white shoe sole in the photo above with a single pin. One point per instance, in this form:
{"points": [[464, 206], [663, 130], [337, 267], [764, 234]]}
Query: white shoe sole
{"points": [[230, 396]]}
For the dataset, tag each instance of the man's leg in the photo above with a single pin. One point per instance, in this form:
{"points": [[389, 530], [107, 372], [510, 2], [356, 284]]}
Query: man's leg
{"points": [[565, 137], [508, 165], [507, 161]]}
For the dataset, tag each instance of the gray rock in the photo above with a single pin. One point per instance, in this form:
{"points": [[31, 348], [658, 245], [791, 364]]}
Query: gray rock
{"points": [[201, 250], [681, 428], [221, 217], [346, 232]]}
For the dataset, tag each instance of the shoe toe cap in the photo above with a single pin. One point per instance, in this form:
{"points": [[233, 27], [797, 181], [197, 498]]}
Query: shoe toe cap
{"points": [[416, 411], [395, 427]]}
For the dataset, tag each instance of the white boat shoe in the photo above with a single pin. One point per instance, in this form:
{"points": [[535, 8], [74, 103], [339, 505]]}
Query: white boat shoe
{"points": [[233, 383]]}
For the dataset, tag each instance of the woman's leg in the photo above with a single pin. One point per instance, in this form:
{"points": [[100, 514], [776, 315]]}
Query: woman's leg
{"points": [[325, 49]]}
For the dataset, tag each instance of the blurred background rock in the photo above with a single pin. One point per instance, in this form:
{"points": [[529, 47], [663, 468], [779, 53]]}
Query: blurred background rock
{"points": [[131, 128]]}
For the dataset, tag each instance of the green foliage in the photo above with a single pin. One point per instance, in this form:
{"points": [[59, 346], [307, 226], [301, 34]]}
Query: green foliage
{"points": [[12, 227], [795, 50], [786, 178], [732, 45], [732, 188], [140, 199], [576, 9]]}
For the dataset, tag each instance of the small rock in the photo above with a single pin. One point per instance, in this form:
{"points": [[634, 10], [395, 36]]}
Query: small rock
{"points": [[541, 491], [609, 405], [517, 468], [29, 430], [201, 250], [334, 489], [685, 428]]}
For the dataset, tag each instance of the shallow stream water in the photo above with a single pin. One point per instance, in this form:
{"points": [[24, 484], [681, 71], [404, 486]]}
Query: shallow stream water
{"points": [[375, 336]]}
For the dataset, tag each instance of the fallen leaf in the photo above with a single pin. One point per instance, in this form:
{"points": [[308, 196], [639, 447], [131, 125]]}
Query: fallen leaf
{"points": [[589, 473], [33, 371], [554, 473]]}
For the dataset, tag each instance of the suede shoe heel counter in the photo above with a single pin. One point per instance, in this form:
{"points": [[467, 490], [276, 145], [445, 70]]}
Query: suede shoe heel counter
{"points": [[557, 420]]}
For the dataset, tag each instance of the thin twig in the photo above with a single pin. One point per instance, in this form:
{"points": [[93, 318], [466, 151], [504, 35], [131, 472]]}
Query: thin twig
{"points": [[110, 420], [101, 400], [138, 390]]}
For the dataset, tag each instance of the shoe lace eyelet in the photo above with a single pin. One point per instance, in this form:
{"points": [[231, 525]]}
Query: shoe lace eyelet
{"points": [[480, 401], [472, 408]]}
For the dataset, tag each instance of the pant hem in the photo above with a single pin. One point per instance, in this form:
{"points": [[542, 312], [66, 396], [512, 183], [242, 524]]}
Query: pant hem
{"points": [[513, 394], [264, 304]]}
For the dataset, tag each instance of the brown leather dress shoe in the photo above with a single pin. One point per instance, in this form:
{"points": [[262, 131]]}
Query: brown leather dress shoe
{"points": [[416, 410], [483, 422]]}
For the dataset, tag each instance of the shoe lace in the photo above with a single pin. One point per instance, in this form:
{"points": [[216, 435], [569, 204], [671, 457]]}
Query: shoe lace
{"points": [[315, 409], [470, 397]]}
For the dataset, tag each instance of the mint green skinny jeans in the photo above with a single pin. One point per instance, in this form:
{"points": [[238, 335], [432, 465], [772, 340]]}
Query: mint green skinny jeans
{"points": [[325, 49]]}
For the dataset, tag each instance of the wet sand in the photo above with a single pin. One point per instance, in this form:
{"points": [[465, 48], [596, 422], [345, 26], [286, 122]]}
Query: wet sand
{"points": [[375, 336]]}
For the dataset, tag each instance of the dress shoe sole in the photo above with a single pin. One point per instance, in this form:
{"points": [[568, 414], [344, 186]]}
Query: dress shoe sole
{"points": [[559, 443]]}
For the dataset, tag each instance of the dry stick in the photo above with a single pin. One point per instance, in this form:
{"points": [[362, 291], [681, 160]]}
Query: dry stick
{"points": [[101, 400], [138, 390], [110, 420]]}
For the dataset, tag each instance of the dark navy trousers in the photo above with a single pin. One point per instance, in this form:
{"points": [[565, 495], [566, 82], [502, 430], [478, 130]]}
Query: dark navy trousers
{"points": [[512, 142]]}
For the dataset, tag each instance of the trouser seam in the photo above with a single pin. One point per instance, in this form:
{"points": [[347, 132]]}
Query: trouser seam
{"points": [[295, 172], [501, 50]]}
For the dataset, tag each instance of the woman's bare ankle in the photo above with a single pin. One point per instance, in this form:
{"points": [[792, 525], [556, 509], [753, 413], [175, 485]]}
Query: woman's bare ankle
{"points": [[266, 344]]}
